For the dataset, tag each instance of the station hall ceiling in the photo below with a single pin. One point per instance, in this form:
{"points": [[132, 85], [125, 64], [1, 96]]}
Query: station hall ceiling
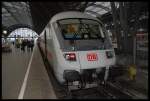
{"points": [[16, 13], [51, 8], [37, 14]]}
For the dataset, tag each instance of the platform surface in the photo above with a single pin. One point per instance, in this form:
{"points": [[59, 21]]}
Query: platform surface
{"points": [[38, 84], [14, 68]]}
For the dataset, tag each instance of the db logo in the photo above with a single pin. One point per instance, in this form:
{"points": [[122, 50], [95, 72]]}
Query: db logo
{"points": [[92, 57]]}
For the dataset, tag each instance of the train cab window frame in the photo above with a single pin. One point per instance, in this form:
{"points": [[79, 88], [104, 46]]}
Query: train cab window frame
{"points": [[82, 44], [49, 32], [81, 23]]}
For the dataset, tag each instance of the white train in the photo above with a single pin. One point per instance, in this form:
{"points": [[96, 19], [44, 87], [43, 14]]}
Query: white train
{"points": [[78, 48]]}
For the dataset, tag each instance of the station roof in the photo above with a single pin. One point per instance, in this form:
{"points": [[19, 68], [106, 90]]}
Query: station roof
{"points": [[16, 15], [36, 15], [49, 10]]}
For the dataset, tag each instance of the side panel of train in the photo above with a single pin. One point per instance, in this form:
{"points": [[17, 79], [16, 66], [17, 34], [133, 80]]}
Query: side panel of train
{"points": [[51, 51]]}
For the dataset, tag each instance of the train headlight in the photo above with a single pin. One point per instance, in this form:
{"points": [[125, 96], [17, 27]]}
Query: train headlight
{"points": [[70, 56], [109, 54]]}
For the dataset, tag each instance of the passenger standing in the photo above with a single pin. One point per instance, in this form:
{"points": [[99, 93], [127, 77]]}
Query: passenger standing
{"points": [[21, 43], [32, 44], [25, 43], [28, 45], [13, 42], [23, 46]]}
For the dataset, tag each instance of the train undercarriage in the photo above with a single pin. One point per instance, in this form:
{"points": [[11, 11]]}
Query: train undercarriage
{"points": [[89, 78]]}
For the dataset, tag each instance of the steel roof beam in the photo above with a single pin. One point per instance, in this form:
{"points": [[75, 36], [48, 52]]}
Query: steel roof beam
{"points": [[100, 6], [90, 4], [10, 13], [92, 12]]}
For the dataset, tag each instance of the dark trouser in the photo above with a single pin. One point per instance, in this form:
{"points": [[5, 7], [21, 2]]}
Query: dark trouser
{"points": [[28, 48], [23, 48], [31, 48]]}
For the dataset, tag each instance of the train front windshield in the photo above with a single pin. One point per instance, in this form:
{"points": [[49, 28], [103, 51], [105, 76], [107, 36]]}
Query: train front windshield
{"points": [[82, 34]]}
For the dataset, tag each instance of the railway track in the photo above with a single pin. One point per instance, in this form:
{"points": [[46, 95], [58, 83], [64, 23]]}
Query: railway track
{"points": [[131, 92], [101, 92]]}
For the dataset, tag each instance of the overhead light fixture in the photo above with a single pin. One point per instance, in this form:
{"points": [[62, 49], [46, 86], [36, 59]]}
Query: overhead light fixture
{"points": [[4, 32]]}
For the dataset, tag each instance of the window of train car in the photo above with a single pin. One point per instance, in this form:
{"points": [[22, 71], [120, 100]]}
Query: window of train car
{"points": [[81, 34], [80, 29], [48, 33]]}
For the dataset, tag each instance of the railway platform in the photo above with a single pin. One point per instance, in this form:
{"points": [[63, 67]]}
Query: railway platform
{"points": [[38, 84], [28, 78]]}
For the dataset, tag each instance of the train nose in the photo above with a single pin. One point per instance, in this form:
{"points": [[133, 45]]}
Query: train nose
{"points": [[96, 59]]}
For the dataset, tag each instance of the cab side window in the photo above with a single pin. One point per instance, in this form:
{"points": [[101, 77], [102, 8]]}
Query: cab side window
{"points": [[48, 32]]}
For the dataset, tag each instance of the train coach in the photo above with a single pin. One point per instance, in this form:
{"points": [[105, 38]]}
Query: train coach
{"points": [[78, 48]]}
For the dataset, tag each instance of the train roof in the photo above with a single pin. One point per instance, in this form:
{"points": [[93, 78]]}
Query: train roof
{"points": [[71, 14]]}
